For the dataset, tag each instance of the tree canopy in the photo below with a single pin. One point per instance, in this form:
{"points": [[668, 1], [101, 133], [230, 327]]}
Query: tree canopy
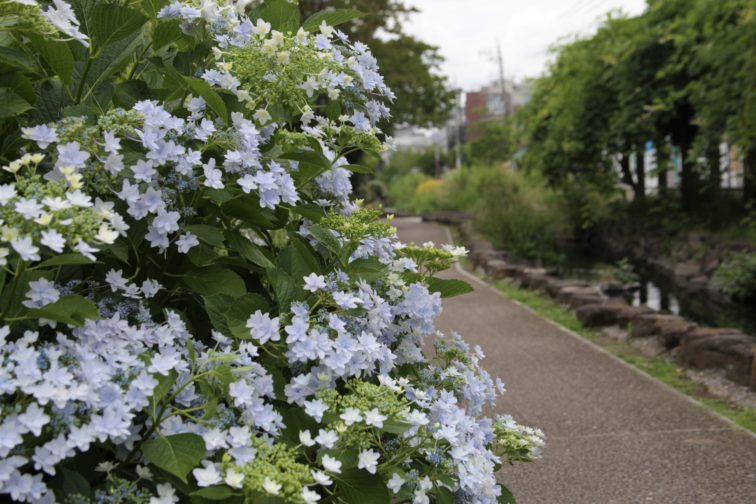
{"points": [[683, 72]]}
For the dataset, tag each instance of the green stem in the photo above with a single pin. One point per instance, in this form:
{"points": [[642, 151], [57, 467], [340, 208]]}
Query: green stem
{"points": [[84, 78]]}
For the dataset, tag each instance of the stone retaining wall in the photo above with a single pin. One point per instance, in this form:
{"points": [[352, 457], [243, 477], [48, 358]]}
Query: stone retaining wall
{"points": [[693, 345]]}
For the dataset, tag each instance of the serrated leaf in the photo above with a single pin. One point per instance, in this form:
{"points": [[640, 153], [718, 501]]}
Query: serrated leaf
{"points": [[368, 269], [165, 33], [216, 307], [284, 286], [331, 17], [12, 104], [281, 14], [248, 250], [449, 288], [165, 383], [506, 496], [355, 168], [202, 255], [215, 280], [217, 492], [238, 313], [206, 233], [17, 59], [213, 99], [64, 260], [395, 426], [73, 310], [111, 23], [326, 238], [177, 454], [357, 486], [298, 259], [74, 483]]}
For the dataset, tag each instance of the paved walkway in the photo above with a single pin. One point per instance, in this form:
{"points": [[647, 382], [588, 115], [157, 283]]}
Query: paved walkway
{"points": [[613, 434]]}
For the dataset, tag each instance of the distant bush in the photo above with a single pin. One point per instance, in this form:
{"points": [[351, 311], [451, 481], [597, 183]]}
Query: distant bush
{"points": [[517, 211], [738, 276]]}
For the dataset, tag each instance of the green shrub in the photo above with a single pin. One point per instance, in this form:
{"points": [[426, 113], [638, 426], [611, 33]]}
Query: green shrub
{"points": [[402, 190], [738, 276], [520, 214]]}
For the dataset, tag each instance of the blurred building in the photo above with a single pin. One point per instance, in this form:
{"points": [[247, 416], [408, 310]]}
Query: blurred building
{"points": [[418, 139], [493, 102]]}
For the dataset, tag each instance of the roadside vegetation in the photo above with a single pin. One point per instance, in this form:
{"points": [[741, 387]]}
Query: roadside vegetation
{"points": [[568, 168]]}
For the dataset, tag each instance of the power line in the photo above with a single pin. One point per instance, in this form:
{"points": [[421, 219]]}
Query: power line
{"points": [[571, 9]]}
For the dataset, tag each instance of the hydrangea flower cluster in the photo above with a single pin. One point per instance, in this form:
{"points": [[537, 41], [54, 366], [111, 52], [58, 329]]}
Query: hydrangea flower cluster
{"points": [[193, 308]]}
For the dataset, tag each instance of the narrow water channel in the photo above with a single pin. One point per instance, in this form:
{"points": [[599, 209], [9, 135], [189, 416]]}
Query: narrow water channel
{"points": [[658, 293]]}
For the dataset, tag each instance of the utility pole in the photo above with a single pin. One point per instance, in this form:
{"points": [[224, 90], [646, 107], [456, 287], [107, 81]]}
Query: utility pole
{"points": [[502, 81], [458, 127]]}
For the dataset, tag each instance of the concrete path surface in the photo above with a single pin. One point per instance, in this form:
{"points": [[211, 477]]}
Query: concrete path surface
{"points": [[614, 435]]}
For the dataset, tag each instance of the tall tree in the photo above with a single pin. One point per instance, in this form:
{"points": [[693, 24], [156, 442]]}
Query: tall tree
{"points": [[411, 67]]}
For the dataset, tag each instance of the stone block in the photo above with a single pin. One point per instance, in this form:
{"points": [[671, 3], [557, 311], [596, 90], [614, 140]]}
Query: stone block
{"points": [[567, 294], [647, 325], [530, 280], [624, 318], [557, 285], [601, 314], [579, 300], [734, 353]]}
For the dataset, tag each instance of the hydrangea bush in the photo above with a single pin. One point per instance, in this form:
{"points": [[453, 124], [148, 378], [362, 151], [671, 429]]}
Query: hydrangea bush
{"points": [[192, 307]]}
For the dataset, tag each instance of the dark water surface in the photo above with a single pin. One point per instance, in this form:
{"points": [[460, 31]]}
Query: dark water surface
{"points": [[659, 293]]}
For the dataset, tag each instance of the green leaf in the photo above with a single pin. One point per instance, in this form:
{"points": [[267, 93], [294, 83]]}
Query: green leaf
{"points": [[119, 250], [152, 7], [177, 454], [449, 288], [506, 496], [206, 233], [326, 238], [284, 286], [217, 492], [310, 211], [282, 15], [64, 260], [216, 307], [12, 104], [311, 165], [75, 484], [165, 33], [355, 168], [369, 269], [247, 208], [73, 310], [51, 99], [213, 99], [395, 426], [248, 250], [331, 17], [360, 487], [110, 59], [165, 382], [17, 59], [111, 23], [20, 84], [127, 93], [215, 280], [298, 259], [238, 313], [202, 255]]}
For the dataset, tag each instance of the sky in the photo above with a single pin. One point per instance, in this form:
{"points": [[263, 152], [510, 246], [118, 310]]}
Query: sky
{"points": [[467, 32]]}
